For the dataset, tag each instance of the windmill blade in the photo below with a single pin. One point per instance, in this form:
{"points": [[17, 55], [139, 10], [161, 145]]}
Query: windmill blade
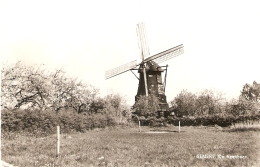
{"points": [[121, 69], [142, 41], [166, 55]]}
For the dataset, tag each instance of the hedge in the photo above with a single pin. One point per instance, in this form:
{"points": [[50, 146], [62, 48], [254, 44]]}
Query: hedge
{"points": [[202, 120], [45, 122]]}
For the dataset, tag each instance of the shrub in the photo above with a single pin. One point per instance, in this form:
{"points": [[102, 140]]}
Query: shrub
{"points": [[211, 120], [45, 122]]}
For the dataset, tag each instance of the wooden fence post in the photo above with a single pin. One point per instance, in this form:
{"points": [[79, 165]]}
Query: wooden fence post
{"points": [[58, 141], [139, 126], [179, 126]]}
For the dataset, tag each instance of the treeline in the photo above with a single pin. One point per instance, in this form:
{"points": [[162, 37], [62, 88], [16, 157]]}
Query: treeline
{"points": [[33, 87], [209, 108], [27, 90], [210, 102], [206, 108], [36, 100]]}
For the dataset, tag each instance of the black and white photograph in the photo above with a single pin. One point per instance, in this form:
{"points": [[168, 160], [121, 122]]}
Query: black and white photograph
{"points": [[171, 83]]}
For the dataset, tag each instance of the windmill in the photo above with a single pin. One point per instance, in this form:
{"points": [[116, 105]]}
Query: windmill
{"points": [[150, 73]]}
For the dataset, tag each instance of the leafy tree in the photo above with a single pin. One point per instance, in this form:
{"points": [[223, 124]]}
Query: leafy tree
{"points": [[147, 105], [97, 106], [23, 86], [209, 102], [70, 93], [82, 96], [115, 105], [251, 92], [249, 99], [184, 103], [32, 87]]}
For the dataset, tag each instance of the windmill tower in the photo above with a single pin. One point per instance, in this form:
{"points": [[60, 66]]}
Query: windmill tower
{"points": [[150, 73]]}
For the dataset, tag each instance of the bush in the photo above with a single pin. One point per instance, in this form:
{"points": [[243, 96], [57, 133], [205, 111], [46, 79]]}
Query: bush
{"points": [[45, 122], [212, 120]]}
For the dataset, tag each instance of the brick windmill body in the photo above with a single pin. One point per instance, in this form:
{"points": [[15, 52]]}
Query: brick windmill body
{"points": [[150, 73]]}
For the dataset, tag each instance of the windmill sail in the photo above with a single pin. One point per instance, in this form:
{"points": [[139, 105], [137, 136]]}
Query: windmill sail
{"points": [[150, 72], [142, 41], [121, 69], [158, 58], [166, 55]]}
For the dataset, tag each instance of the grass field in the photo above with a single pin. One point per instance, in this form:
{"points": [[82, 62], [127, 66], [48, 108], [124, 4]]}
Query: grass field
{"points": [[198, 146]]}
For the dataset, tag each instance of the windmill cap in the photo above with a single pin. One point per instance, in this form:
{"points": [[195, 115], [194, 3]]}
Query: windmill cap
{"points": [[151, 66]]}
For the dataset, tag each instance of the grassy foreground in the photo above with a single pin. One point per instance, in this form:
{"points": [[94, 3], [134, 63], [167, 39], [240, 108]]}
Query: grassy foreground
{"points": [[128, 147]]}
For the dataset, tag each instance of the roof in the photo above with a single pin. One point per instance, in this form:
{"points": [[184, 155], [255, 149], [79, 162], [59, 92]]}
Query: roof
{"points": [[151, 66]]}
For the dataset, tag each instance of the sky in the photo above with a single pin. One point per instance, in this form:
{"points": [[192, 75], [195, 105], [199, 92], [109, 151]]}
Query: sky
{"points": [[221, 41]]}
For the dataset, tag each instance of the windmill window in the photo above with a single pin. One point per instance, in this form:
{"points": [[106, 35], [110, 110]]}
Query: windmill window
{"points": [[152, 85], [150, 76]]}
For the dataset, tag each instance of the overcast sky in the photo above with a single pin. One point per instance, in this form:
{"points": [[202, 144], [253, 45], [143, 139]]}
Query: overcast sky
{"points": [[221, 40]]}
